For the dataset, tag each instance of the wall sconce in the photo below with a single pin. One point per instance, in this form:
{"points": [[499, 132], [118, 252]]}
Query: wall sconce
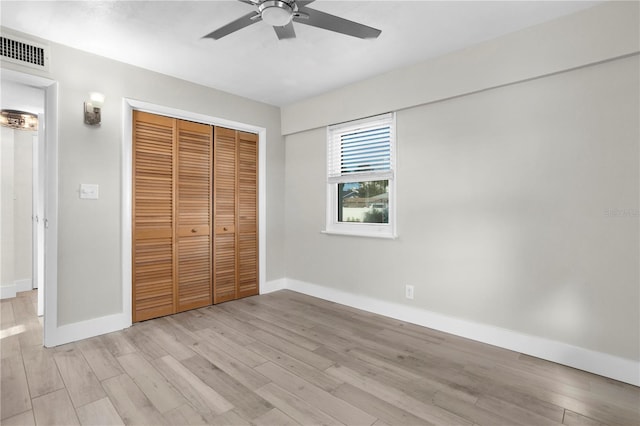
{"points": [[92, 108]]}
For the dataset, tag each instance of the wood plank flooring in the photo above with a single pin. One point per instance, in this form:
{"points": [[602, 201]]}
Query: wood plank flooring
{"points": [[287, 359]]}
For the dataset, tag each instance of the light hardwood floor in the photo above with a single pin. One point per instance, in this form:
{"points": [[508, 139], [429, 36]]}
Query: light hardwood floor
{"points": [[286, 359]]}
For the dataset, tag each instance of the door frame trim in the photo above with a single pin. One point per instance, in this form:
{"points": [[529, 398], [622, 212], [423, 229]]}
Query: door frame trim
{"points": [[50, 329], [128, 105]]}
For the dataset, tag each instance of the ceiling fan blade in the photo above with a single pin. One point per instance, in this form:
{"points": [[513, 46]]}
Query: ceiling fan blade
{"points": [[334, 23], [238, 24], [285, 32], [302, 3]]}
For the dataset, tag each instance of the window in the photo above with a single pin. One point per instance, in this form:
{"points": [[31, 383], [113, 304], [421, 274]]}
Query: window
{"points": [[361, 177]]}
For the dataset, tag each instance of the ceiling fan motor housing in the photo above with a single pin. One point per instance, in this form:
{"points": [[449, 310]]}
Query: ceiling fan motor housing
{"points": [[276, 13]]}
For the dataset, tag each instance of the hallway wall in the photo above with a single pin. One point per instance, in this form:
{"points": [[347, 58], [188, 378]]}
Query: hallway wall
{"points": [[16, 234]]}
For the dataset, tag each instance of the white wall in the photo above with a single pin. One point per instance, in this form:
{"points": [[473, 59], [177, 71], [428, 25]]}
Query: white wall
{"points": [[23, 194], [506, 194], [16, 254], [15, 215], [7, 276]]}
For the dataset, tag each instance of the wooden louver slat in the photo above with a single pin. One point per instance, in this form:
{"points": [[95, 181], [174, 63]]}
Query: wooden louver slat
{"points": [[236, 214], [224, 245], [247, 184], [194, 216], [153, 171]]}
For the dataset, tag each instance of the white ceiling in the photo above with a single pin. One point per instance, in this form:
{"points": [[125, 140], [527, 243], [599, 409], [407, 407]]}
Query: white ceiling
{"points": [[166, 36]]}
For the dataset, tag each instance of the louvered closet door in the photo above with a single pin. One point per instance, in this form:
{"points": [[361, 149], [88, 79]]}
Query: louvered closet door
{"points": [[224, 246], [153, 216], [247, 184], [194, 215]]}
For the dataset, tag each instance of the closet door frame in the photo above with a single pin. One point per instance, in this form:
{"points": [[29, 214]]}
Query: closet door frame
{"points": [[129, 105]]}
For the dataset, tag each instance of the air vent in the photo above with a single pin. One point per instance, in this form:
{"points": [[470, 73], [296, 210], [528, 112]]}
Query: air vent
{"points": [[25, 53]]}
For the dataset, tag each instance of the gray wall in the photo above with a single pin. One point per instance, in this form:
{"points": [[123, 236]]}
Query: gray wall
{"points": [[607, 31], [506, 196], [89, 255], [503, 202]]}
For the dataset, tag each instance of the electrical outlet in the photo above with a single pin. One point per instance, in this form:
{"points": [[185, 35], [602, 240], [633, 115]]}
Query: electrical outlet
{"points": [[408, 291]]}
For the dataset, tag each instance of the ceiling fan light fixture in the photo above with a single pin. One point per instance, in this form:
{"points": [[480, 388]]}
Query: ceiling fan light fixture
{"points": [[276, 13], [281, 14]]}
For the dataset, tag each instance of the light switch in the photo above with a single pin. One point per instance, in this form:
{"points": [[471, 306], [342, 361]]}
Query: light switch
{"points": [[89, 191]]}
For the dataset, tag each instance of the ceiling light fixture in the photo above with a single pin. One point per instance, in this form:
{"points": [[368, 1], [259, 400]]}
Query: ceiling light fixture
{"points": [[276, 13], [18, 120]]}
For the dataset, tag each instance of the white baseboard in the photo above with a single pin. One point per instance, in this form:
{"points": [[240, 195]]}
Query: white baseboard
{"points": [[274, 285], [86, 329], [9, 290], [24, 285], [624, 370], [97, 326]]}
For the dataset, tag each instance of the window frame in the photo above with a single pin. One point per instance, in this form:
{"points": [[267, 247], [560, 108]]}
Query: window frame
{"points": [[376, 230]]}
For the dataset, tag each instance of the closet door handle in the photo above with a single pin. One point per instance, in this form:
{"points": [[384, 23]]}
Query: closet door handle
{"points": [[194, 230], [225, 229]]}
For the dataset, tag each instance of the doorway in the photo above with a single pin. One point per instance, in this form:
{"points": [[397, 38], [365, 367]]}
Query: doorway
{"points": [[21, 227], [34, 198]]}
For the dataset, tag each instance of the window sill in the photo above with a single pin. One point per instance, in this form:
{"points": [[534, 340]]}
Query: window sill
{"points": [[361, 234]]}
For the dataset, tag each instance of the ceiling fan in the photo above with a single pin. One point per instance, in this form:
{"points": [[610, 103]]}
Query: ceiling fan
{"points": [[281, 14]]}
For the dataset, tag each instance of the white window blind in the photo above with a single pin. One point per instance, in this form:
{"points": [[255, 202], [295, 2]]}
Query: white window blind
{"points": [[361, 150]]}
